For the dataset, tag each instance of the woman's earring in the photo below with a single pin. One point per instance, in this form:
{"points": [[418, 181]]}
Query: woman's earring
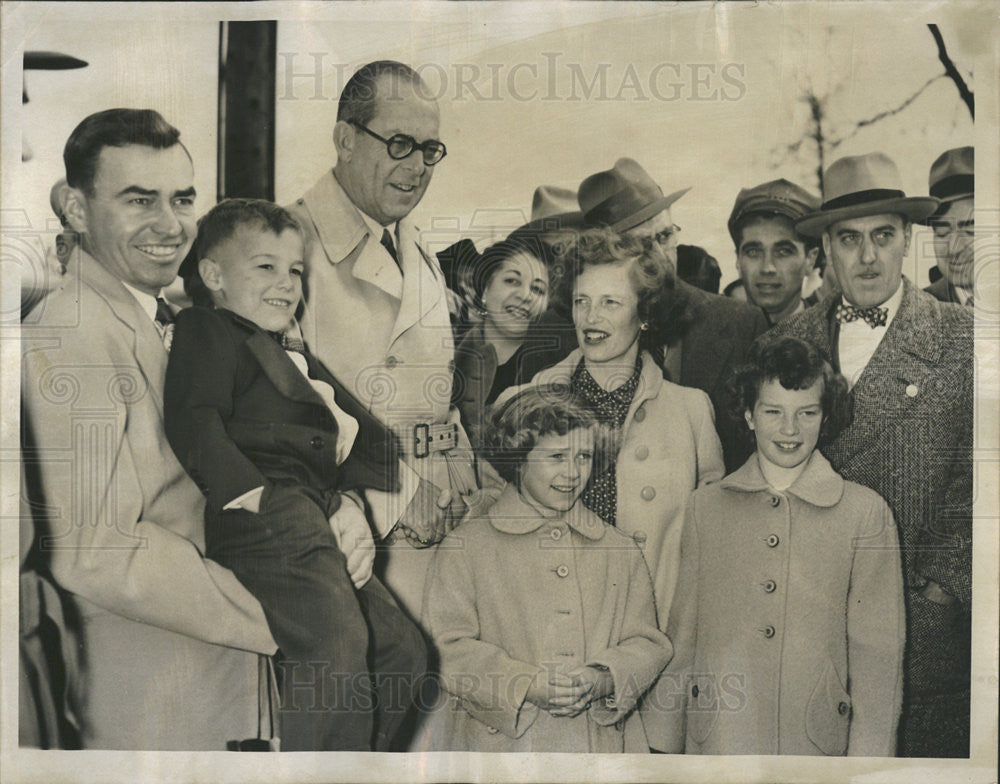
{"points": [[644, 326]]}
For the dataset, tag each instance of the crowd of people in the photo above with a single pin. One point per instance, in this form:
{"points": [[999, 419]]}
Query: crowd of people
{"points": [[553, 495]]}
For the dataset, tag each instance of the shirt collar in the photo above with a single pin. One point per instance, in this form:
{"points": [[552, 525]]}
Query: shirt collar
{"points": [[891, 305], [377, 228], [963, 294], [146, 301], [511, 514], [818, 484]]}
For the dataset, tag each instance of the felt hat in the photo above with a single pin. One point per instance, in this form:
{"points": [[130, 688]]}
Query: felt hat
{"points": [[623, 196], [952, 176], [860, 185]]}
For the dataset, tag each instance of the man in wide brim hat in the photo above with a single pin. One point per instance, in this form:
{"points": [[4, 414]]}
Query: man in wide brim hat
{"points": [[862, 185], [910, 439], [952, 181]]}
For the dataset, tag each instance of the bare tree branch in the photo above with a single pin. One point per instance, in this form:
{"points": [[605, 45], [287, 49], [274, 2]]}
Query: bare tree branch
{"points": [[887, 113], [952, 72]]}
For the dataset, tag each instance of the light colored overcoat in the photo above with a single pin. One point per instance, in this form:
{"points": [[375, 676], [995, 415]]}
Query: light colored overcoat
{"points": [[669, 447], [788, 623], [387, 337], [167, 637], [511, 594]]}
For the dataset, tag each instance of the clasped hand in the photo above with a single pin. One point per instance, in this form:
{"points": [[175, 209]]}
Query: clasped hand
{"points": [[569, 693]]}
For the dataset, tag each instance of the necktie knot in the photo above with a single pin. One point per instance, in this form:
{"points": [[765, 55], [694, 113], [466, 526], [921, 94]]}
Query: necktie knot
{"points": [[874, 316], [164, 315], [390, 246], [289, 342]]}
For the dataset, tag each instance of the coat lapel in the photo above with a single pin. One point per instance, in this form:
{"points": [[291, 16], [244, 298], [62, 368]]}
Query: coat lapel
{"points": [[897, 376], [421, 287], [281, 370], [147, 346]]}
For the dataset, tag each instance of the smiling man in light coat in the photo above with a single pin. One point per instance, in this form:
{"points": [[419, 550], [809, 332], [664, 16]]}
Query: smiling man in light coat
{"points": [[377, 312], [167, 638]]}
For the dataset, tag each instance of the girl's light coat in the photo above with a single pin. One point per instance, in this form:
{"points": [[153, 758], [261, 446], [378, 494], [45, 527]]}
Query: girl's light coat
{"points": [[788, 623], [512, 593]]}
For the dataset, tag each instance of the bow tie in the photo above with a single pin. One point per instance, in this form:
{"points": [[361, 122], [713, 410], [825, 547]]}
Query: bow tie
{"points": [[874, 316], [288, 342]]}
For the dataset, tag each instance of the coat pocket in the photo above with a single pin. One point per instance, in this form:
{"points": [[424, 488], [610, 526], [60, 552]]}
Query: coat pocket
{"points": [[828, 714], [702, 706]]}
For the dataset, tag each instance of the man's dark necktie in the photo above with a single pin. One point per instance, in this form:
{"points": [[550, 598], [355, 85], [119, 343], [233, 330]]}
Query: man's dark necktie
{"points": [[387, 243], [874, 316], [164, 319]]}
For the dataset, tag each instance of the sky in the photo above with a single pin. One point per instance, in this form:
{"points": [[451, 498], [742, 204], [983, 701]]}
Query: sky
{"points": [[707, 96]]}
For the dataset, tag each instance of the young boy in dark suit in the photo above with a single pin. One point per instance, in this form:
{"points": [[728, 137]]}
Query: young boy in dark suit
{"points": [[280, 449]]}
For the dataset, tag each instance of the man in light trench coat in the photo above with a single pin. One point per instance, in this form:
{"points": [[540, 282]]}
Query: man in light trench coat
{"points": [[377, 312]]}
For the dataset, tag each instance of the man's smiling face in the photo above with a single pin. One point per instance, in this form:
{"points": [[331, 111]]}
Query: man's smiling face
{"points": [[139, 221], [382, 187]]}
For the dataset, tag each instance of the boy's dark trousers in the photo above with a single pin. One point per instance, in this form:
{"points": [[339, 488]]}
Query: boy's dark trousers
{"points": [[350, 660]]}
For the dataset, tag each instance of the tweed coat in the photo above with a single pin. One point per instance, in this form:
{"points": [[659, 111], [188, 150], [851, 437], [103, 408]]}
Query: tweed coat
{"points": [[911, 442], [668, 448], [388, 339], [169, 640], [511, 594], [788, 624]]}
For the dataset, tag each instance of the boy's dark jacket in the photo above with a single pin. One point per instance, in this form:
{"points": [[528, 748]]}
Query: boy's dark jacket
{"points": [[239, 414]]}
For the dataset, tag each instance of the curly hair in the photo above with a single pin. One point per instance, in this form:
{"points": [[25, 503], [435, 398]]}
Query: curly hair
{"points": [[662, 307], [795, 364], [520, 241], [514, 427]]}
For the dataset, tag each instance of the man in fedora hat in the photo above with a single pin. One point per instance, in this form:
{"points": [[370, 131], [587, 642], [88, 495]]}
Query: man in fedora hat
{"points": [[627, 200], [908, 358], [952, 182], [772, 258]]}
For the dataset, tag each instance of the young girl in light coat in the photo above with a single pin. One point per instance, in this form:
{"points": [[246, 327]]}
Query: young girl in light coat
{"points": [[543, 614], [788, 621]]}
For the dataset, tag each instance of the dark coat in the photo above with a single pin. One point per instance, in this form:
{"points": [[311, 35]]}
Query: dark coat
{"points": [[911, 442], [943, 291], [240, 415], [476, 368], [716, 343]]}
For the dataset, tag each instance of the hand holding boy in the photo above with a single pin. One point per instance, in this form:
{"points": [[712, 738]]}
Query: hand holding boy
{"points": [[354, 537]]}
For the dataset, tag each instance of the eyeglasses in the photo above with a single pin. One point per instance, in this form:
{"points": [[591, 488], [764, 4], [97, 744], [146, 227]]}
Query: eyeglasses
{"points": [[663, 236], [942, 227], [400, 145]]}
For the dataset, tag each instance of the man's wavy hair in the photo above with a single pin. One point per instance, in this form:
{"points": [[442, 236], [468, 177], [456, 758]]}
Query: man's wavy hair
{"points": [[795, 364], [664, 309], [514, 427]]}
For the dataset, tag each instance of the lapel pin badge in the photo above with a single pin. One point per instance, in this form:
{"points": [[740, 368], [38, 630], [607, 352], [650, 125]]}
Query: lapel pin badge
{"points": [[911, 390]]}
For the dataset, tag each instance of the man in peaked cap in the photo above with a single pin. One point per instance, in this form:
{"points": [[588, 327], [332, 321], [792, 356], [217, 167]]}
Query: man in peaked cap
{"points": [[909, 360], [627, 200], [772, 258], [952, 182]]}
